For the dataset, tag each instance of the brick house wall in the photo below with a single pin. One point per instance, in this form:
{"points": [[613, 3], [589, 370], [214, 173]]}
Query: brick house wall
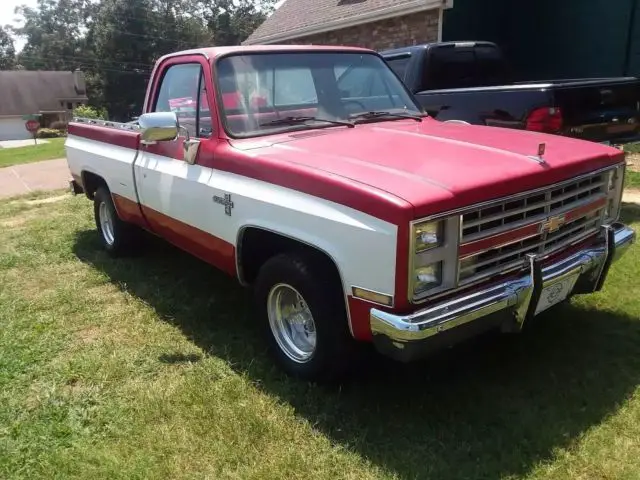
{"points": [[413, 29]]}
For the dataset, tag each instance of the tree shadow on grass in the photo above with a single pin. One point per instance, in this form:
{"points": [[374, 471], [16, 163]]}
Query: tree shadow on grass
{"points": [[630, 212], [490, 408]]}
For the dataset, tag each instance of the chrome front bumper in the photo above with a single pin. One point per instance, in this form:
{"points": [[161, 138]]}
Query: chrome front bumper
{"points": [[508, 304]]}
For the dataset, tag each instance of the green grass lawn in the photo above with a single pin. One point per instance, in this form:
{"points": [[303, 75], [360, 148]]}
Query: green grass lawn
{"points": [[632, 179], [632, 148], [33, 153], [151, 367]]}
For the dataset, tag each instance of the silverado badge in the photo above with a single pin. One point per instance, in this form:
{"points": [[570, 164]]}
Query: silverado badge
{"points": [[226, 201], [552, 224]]}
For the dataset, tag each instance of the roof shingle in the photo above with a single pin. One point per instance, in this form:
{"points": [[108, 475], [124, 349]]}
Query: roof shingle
{"points": [[27, 91], [300, 15]]}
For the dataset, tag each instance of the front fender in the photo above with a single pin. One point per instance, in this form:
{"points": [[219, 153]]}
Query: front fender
{"points": [[363, 247]]}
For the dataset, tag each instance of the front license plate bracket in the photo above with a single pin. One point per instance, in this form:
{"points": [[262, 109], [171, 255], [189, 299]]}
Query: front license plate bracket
{"points": [[555, 293]]}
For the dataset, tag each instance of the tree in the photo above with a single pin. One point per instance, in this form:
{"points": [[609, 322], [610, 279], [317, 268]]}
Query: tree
{"points": [[230, 22], [116, 42], [54, 34], [86, 111], [129, 36], [7, 51]]}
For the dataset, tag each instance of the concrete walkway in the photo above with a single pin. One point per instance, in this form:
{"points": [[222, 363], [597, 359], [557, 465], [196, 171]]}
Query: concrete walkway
{"points": [[21, 179], [631, 196], [21, 143]]}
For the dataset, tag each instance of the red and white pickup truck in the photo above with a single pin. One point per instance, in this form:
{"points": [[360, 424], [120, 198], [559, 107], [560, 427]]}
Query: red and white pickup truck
{"points": [[354, 218]]}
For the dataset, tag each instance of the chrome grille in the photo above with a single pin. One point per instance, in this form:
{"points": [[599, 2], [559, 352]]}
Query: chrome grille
{"points": [[511, 256], [507, 215]]}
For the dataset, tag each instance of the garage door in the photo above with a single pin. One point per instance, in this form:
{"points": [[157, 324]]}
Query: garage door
{"points": [[13, 129]]}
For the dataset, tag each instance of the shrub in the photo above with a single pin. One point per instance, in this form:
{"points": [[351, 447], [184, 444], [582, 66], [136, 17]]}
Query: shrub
{"points": [[59, 125], [86, 111], [49, 133]]}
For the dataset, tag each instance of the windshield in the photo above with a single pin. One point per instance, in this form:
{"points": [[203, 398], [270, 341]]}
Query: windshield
{"points": [[268, 93]]}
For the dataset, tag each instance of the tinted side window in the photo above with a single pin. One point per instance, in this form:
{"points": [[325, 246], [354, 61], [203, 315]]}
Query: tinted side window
{"points": [[399, 65], [182, 92], [491, 67], [451, 67]]}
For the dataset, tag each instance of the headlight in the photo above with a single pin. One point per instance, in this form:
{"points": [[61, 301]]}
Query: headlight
{"points": [[427, 235], [614, 193], [433, 256], [427, 277]]}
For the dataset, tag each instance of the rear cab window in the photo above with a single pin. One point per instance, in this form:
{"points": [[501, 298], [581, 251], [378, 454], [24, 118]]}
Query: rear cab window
{"points": [[452, 66]]}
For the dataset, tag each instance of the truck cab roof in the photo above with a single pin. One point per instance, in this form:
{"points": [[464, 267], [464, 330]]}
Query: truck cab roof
{"points": [[216, 52], [426, 46]]}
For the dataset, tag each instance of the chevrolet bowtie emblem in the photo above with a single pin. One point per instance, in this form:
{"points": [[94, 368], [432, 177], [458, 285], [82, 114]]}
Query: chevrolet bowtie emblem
{"points": [[225, 201], [552, 224]]}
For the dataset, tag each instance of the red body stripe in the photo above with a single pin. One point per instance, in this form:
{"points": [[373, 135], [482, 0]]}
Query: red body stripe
{"points": [[527, 231], [217, 252], [112, 136], [521, 233], [129, 211], [198, 243], [167, 149], [359, 313], [581, 211], [402, 267], [219, 155], [203, 245]]}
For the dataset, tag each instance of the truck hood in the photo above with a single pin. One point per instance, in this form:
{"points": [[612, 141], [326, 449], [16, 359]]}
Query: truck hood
{"points": [[434, 165]]}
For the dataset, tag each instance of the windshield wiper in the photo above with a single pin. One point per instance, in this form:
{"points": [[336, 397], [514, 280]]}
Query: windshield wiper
{"points": [[302, 120], [384, 114]]}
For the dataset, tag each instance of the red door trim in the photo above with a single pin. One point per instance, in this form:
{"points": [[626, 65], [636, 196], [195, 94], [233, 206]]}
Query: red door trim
{"points": [[174, 149]]}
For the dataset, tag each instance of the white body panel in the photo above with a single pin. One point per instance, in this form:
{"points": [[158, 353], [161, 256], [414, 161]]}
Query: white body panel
{"points": [[111, 162], [363, 247]]}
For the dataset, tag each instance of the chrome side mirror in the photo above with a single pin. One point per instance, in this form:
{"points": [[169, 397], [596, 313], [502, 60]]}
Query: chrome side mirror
{"points": [[158, 127]]}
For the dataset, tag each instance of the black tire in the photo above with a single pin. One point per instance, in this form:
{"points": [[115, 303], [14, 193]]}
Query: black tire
{"points": [[124, 238], [336, 352]]}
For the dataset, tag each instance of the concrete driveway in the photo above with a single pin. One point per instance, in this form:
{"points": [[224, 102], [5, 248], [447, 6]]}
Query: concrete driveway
{"points": [[21, 143], [21, 179]]}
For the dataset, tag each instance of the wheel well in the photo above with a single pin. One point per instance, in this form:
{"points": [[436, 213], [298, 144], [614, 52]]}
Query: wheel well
{"points": [[256, 246], [91, 182]]}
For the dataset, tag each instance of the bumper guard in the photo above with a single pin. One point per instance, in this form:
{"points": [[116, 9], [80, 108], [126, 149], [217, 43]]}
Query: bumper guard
{"points": [[508, 304]]}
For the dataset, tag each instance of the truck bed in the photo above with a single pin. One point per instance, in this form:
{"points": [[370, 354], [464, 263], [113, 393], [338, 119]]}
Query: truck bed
{"points": [[468, 81]]}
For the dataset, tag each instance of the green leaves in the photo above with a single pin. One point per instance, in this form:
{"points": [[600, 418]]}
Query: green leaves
{"points": [[116, 42], [7, 51], [86, 111]]}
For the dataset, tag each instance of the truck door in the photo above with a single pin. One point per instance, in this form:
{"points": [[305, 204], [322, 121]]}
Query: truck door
{"points": [[175, 195]]}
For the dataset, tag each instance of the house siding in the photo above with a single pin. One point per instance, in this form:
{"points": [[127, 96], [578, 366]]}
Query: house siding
{"points": [[413, 29]]}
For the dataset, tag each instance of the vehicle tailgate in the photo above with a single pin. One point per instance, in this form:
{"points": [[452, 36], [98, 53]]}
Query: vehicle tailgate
{"points": [[601, 110]]}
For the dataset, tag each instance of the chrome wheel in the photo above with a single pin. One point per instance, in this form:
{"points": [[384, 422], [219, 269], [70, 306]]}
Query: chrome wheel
{"points": [[106, 223], [291, 323]]}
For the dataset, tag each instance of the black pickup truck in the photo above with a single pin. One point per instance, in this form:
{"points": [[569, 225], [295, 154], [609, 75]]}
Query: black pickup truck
{"points": [[470, 81]]}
